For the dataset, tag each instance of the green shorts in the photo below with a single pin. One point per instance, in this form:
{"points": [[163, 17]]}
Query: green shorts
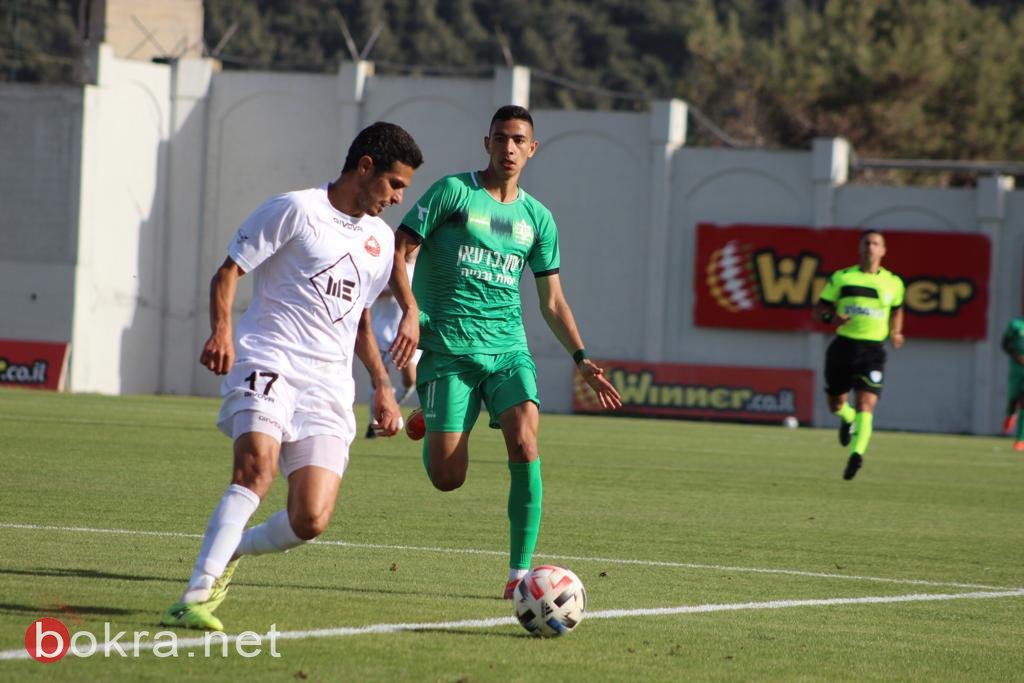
{"points": [[1015, 382], [451, 387]]}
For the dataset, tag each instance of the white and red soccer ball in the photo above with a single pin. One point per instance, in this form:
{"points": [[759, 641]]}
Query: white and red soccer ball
{"points": [[416, 426], [550, 601]]}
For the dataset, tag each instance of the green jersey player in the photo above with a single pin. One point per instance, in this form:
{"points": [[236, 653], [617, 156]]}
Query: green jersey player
{"points": [[1013, 345], [476, 232], [866, 301]]}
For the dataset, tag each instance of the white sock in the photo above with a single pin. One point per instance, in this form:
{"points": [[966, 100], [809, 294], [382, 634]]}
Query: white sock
{"points": [[273, 536], [517, 574], [222, 535]]}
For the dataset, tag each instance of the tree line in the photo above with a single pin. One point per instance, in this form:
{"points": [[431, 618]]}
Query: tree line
{"points": [[898, 78]]}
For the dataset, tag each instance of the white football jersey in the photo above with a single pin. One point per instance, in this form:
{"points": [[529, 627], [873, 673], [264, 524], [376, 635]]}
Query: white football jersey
{"points": [[315, 269]]}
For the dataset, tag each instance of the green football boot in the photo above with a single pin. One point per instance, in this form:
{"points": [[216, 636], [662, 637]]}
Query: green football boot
{"points": [[219, 589], [191, 615]]}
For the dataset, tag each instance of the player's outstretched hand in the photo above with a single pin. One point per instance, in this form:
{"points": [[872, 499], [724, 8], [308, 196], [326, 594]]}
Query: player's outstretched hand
{"points": [[387, 416], [218, 354], [606, 392], [406, 340]]}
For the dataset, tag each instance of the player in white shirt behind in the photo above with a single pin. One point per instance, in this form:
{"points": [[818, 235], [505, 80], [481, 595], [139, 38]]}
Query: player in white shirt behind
{"points": [[387, 314], [319, 258]]}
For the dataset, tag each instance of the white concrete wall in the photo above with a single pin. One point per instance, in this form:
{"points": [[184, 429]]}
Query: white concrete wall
{"points": [[186, 171], [40, 144], [174, 157], [119, 280]]}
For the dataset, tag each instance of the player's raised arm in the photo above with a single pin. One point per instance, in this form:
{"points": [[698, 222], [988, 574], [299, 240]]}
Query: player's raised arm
{"points": [[408, 337], [218, 354], [558, 316]]}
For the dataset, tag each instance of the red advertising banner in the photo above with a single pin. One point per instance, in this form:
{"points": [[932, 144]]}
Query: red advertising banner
{"points": [[769, 276], [39, 365], [702, 391]]}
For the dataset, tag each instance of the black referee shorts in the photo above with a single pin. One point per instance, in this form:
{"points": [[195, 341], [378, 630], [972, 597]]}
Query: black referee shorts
{"points": [[854, 364]]}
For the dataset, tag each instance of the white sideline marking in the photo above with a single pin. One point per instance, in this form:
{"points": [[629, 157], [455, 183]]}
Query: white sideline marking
{"points": [[344, 631], [608, 560]]}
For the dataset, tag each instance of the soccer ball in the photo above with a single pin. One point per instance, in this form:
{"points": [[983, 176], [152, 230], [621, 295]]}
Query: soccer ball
{"points": [[550, 601], [416, 426]]}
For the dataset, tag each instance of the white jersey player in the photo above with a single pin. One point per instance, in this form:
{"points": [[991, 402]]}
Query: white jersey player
{"points": [[319, 258], [297, 335]]}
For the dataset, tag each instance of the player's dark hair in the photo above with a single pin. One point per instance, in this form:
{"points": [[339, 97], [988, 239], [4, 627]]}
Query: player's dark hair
{"points": [[385, 143], [512, 112], [870, 231]]}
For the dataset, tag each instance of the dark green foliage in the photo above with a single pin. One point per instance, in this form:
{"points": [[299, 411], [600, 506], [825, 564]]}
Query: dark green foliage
{"points": [[923, 78], [39, 41]]}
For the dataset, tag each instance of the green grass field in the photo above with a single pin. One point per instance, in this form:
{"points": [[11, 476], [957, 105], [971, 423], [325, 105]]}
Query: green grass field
{"points": [[779, 569]]}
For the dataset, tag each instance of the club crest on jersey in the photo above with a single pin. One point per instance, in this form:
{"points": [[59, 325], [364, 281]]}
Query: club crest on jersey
{"points": [[522, 232], [372, 246], [339, 287]]}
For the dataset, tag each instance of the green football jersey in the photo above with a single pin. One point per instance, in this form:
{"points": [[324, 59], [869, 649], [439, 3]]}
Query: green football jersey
{"points": [[470, 261], [866, 298], [1014, 335]]}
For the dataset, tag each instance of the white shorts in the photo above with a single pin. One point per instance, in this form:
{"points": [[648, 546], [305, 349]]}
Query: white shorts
{"points": [[328, 452], [299, 403]]}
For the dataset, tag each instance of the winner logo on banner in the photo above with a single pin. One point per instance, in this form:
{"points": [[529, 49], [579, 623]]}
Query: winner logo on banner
{"points": [[768, 277], [703, 391]]}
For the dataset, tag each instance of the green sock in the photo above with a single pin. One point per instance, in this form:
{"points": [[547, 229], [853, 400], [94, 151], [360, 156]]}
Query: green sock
{"points": [[524, 512], [1020, 425], [846, 413], [861, 432], [426, 455]]}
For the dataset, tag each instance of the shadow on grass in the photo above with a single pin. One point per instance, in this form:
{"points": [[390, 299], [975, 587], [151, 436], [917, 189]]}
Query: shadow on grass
{"points": [[367, 591], [79, 573], [66, 573], [477, 632], [56, 608], [62, 610]]}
